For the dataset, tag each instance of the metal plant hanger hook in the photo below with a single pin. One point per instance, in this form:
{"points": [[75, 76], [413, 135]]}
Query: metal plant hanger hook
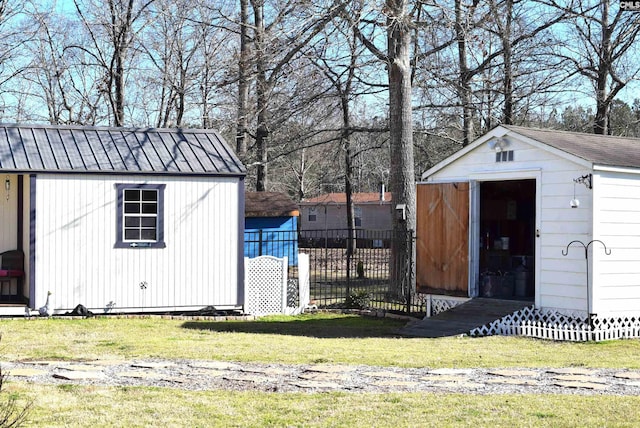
{"points": [[607, 251]]}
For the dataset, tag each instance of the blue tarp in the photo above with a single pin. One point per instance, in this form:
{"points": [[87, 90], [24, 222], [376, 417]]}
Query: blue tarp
{"points": [[271, 236]]}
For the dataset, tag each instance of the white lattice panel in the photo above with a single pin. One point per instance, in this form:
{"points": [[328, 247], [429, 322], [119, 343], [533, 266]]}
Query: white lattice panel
{"points": [[552, 325], [435, 304], [266, 285]]}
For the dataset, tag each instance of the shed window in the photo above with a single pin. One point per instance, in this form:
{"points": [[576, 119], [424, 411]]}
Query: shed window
{"points": [[140, 215], [357, 214], [312, 214]]}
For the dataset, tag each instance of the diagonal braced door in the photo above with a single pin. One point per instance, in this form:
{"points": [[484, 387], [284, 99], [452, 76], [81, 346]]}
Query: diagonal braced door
{"points": [[442, 241]]}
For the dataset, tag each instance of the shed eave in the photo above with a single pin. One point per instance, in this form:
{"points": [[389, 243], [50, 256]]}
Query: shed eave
{"points": [[121, 172], [614, 168]]}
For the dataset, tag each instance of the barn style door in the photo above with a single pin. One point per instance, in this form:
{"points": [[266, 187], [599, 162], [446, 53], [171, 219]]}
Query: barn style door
{"points": [[442, 244]]}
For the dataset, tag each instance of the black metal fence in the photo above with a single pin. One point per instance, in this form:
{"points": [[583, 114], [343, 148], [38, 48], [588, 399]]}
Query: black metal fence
{"points": [[365, 275]]}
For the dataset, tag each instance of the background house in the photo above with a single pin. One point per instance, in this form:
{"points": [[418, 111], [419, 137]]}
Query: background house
{"points": [[271, 226], [534, 199], [372, 211], [123, 220]]}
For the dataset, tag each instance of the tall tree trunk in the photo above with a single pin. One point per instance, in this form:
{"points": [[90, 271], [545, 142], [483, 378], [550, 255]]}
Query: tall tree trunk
{"points": [[600, 125], [464, 79], [262, 132], [118, 82], [402, 177], [508, 71], [348, 177], [348, 189], [243, 82]]}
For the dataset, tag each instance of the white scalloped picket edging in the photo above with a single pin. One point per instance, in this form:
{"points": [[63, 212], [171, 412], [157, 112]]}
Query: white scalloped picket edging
{"points": [[531, 322]]}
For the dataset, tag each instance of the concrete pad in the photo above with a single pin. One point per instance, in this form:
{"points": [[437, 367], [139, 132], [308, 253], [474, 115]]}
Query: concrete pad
{"points": [[445, 378], [330, 368], [216, 365], [47, 363], [25, 372], [627, 375], [580, 378], [388, 375], [71, 375], [310, 384], [152, 365], [83, 368], [245, 378], [139, 375], [582, 385], [204, 372], [513, 381], [269, 371], [323, 377], [572, 371], [513, 373]]}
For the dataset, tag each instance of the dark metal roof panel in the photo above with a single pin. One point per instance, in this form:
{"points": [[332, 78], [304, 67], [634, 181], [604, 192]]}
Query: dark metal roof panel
{"points": [[59, 151], [95, 149], [46, 153]]}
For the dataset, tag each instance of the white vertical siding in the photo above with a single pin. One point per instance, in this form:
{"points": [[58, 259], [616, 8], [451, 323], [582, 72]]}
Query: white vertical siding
{"points": [[560, 280], [616, 277], [76, 231]]}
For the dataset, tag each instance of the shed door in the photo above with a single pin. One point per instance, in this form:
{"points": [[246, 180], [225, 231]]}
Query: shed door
{"points": [[442, 245]]}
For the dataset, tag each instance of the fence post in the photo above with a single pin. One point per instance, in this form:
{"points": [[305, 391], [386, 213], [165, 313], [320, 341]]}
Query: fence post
{"points": [[303, 281]]}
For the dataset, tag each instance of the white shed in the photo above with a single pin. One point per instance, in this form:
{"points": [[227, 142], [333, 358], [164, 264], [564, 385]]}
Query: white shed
{"points": [[121, 220], [541, 215]]}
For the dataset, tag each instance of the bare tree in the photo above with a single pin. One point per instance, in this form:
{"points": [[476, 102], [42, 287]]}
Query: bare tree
{"points": [[112, 35], [397, 58], [56, 75], [604, 51], [13, 35], [244, 73], [276, 44]]}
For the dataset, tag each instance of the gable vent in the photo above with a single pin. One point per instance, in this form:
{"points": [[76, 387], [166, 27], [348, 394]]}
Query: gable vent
{"points": [[504, 156]]}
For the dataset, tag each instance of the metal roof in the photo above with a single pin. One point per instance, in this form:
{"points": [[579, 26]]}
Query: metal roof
{"points": [[50, 148], [606, 150]]}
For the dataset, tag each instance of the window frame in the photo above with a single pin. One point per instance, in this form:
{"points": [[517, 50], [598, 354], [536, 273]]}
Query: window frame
{"points": [[311, 215], [121, 242], [357, 216]]}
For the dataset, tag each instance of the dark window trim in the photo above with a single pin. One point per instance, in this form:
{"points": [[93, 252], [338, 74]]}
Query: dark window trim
{"points": [[159, 243]]}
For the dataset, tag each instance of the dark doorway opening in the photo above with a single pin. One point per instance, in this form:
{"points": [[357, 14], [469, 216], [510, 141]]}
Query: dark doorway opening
{"points": [[507, 239]]}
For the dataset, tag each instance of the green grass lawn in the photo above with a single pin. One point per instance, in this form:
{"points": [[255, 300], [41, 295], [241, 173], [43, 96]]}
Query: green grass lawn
{"points": [[319, 338]]}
